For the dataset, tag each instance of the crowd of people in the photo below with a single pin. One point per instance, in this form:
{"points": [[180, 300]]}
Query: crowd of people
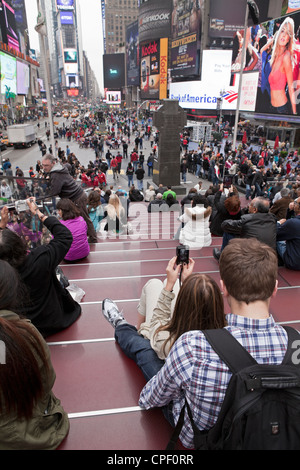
{"points": [[171, 315]]}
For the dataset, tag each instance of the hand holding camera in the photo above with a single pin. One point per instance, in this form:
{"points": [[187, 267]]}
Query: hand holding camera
{"points": [[181, 265]]}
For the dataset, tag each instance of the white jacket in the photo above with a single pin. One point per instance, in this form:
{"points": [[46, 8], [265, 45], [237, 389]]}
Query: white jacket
{"points": [[196, 232]]}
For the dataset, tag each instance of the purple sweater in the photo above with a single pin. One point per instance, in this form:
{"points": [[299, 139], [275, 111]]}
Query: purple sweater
{"points": [[80, 247]]}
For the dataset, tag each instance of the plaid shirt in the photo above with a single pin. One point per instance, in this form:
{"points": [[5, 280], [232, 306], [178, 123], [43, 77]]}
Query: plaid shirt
{"points": [[193, 370]]}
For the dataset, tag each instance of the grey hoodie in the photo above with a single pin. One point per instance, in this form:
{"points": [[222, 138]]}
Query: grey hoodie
{"points": [[62, 184]]}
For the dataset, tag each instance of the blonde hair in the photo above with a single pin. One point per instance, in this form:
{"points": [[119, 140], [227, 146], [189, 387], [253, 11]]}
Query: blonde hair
{"points": [[289, 25], [114, 201]]}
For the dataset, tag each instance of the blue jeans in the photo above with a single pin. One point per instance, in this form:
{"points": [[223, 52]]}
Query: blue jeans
{"points": [[226, 239], [138, 348], [140, 185], [281, 248], [248, 191], [130, 181]]}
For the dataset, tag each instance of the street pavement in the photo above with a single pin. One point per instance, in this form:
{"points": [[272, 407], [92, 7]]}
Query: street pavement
{"points": [[24, 158]]}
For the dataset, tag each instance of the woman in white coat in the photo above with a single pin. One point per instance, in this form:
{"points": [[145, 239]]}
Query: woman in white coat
{"points": [[196, 233]]}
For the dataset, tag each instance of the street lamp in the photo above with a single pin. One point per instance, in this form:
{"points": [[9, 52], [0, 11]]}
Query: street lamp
{"points": [[252, 9], [41, 29]]}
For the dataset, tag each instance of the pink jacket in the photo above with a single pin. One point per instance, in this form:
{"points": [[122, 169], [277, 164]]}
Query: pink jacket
{"points": [[80, 247]]}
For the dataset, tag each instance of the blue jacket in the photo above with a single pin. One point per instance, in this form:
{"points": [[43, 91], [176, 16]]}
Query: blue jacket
{"points": [[290, 231]]}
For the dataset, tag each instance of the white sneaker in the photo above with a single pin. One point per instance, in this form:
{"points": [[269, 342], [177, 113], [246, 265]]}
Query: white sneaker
{"points": [[112, 313]]}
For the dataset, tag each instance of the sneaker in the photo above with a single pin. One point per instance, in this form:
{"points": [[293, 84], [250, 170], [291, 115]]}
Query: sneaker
{"points": [[111, 312], [216, 254]]}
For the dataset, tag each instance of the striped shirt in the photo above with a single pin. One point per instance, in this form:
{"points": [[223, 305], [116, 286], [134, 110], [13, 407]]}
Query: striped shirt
{"points": [[193, 370]]}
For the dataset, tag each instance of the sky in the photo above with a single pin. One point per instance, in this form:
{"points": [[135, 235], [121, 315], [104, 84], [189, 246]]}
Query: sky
{"points": [[91, 31]]}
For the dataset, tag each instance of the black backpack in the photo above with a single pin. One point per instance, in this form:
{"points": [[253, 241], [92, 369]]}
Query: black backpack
{"points": [[261, 408]]}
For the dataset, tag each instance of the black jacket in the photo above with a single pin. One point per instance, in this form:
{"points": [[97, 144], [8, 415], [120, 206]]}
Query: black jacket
{"points": [[51, 307], [262, 226]]}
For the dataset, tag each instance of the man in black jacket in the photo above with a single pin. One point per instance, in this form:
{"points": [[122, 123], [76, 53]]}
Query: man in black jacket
{"points": [[259, 223], [258, 182], [62, 184]]}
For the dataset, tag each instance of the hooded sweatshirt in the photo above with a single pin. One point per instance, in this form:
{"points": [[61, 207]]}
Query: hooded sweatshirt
{"points": [[62, 184]]}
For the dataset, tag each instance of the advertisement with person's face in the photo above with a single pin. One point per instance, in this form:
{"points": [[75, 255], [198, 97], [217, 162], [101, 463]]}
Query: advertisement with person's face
{"points": [[273, 49]]}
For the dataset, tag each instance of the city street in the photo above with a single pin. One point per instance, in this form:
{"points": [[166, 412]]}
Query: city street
{"points": [[24, 158]]}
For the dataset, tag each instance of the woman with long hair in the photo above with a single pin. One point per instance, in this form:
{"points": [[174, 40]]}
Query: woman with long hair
{"points": [[281, 75], [115, 215], [31, 417], [167, 310], [95, 209]]}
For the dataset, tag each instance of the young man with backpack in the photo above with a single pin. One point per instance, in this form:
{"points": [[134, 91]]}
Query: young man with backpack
{"points": [[195, 373], [232, 388]]}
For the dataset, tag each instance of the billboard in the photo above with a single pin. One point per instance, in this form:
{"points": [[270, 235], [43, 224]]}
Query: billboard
{"points": [[132, 54], [72, 81], [65, 4], [71, 61], [186, 18], [184, 56], [23, 83], [113, 97], [273, 49], [8, 26], [186, 27], [21, 25], [114, 71], [154, 69], [205, 96], [66, 17], [8, 66], [154, 20]]}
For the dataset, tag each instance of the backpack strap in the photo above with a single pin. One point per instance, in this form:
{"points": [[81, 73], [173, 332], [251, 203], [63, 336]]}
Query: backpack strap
{"points": [[235, 356]]}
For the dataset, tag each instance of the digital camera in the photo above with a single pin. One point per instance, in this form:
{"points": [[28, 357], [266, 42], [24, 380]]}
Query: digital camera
{"points": [[183, 254]]}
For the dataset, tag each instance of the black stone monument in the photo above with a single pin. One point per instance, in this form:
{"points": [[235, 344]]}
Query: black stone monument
{"points": [[170, 120]]}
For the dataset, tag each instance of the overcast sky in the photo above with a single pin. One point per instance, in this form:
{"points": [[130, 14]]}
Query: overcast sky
{"points": [[91, 30]]}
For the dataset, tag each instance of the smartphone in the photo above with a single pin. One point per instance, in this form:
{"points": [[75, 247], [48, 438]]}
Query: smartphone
{"points": [[228, 179], [183, 254]]}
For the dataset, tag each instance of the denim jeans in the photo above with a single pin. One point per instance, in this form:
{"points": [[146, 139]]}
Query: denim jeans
{"points": [[281, 249], [139, 349]]}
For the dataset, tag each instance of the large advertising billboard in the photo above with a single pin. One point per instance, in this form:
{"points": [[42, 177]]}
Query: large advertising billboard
{"points": [[8, 26], [113, 97], [8, 66], [186, 26], [114, 71], [21, 25], [22, 78], [154, 20], [66, 17], [132, 54], [273, 49], [65, 4], [70, 61]]}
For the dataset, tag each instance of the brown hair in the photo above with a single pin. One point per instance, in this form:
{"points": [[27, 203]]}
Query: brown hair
{"points": [[68, 208], [94, 200], [232, 204], [249, 270], [21, 383], [199, 306]]}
